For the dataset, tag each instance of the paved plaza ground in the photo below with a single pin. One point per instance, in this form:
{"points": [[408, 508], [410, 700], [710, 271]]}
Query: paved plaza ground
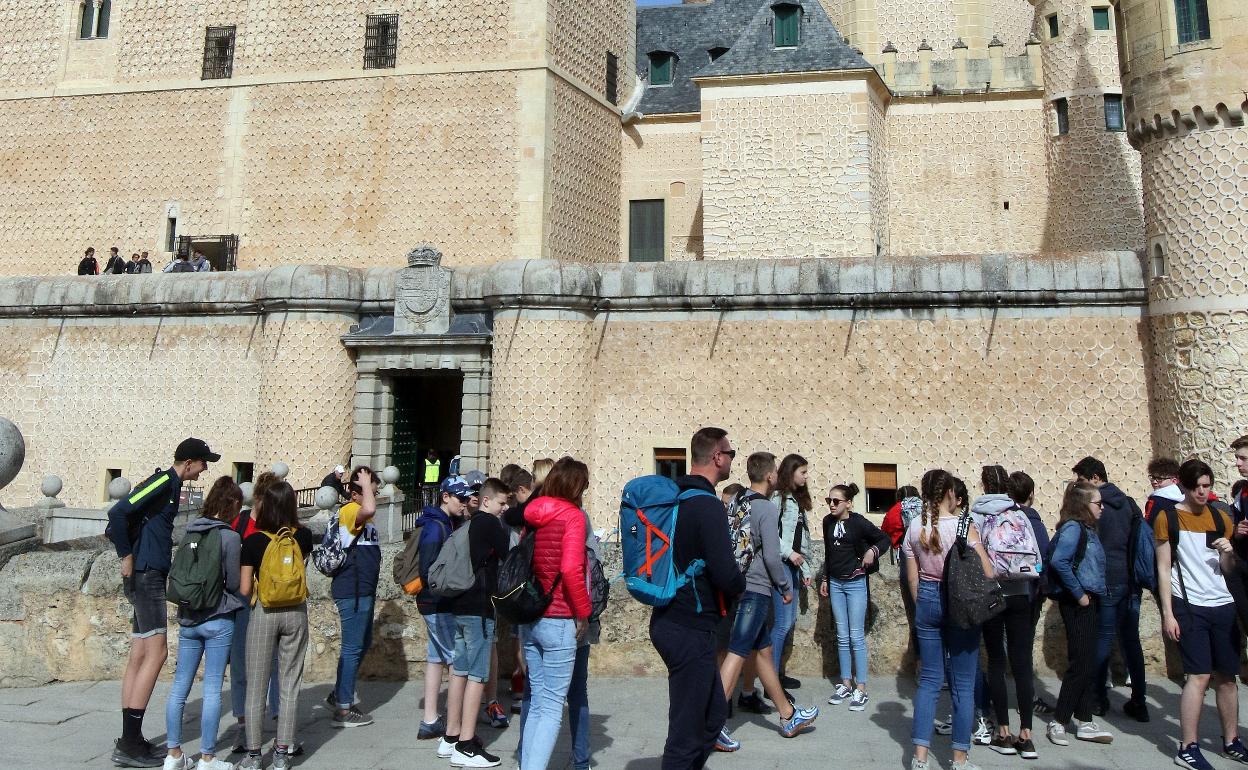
{"points": [[73, 725]]}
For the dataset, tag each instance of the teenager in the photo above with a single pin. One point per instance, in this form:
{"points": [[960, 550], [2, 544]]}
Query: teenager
{"points": [[750, 637], [792, 497], [1239, 496], [354, 591], [205, 635], [488, 543], [284, 629], [1163, 478], [852, 550], [927, 545], [1198, 611], [140, 528]]}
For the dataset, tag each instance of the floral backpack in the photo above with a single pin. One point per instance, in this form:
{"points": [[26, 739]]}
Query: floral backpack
{"points": [[1011, 545]]}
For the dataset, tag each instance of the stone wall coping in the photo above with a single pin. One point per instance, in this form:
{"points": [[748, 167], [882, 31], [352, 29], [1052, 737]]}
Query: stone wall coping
{"points": [[1093, 278]]}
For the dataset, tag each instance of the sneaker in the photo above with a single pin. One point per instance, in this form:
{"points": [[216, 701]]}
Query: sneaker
{"points": [[1093, 733], [943, 728], [125, 755], [1101, 708], [983, 732], [789, 683], [1136, 709], [801, 721], [430, 730], [216, 764], [446, 748], [839, 693], [752, 703], [1026, 749], [471, 754], [516, 707], [494, 714], [1003, 744], [919, 764], [1235, 750], [725, 741], [964, 765], [250, 762], [352, 717], [281, 761], [1057, 734], [858, 701], [1041, 706], [183, 762], [1190, 757]]}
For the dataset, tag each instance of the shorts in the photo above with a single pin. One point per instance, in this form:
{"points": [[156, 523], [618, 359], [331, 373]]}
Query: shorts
{"points": [[474, 637], [1208, 638], [751, 630], [440, 628], [145, 590], [723, 629]]}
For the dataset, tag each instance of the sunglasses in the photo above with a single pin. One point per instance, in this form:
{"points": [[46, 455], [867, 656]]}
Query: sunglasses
{"points": [[833, 501], [732, 453], [1099, 503]]}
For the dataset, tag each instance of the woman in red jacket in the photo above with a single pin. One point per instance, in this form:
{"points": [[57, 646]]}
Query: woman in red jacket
{"points": [[550, 643]]}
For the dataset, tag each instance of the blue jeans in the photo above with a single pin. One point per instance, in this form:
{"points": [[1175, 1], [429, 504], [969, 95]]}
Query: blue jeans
{"points": [[936, 640], [1120, 615], [209, 641], [356, 615], [578, 709], [784, 616], [849, 607], [550, 654], [238, 669]]}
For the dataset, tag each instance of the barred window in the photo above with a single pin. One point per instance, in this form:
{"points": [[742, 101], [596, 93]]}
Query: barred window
{"points": [[381, 42], [1113, 113], [1193, 19], [613, 78], [218, 53]]}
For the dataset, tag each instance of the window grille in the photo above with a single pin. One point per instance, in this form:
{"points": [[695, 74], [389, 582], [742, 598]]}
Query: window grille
{"points": [[381, 42], [645, 231], [613, 78], [1193, 20], [218, 53], [1113, 112]]}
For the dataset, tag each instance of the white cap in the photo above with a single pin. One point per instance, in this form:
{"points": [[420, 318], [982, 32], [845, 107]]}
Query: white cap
{"points": [[339, 469]]}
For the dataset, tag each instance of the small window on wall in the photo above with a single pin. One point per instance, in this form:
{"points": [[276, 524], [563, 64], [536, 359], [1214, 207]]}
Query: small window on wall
{"points": [[645, 231], [1192, 17], [1100, 19], [881, 481], [662, 68], [86, 19], [716, 52], [1113, 112], [244, 472], [613, 78], [671, 463], [171, 234], [1159, 261], [109, 475], [1061, 111], [102, 18], [788, 24], [218, 53], [1052, 20], [381, 41]]}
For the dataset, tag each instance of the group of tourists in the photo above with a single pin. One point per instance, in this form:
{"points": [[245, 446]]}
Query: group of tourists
{"points": [[139, 262]]}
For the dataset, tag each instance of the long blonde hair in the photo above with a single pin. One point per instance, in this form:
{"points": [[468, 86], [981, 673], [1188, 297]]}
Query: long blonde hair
{"points": [[1076, 504], [936, 485], [541, 468]]}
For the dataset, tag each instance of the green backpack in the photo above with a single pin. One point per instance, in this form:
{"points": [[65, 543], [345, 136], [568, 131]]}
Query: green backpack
{"points": [[196, 579]]}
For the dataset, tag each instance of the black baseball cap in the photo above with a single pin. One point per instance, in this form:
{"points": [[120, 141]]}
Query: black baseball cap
{"points": [[195, 449]]}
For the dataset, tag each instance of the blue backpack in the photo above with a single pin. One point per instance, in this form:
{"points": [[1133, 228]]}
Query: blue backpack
{"points": [[1142, 554], [648, 509]]}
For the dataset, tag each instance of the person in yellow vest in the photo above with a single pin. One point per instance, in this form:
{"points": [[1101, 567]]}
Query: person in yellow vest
{"points": [[433, 468]]}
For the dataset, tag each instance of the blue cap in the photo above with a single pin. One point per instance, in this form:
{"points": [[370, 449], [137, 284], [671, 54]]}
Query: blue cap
{"points": [[474, 479], [454, 485]]}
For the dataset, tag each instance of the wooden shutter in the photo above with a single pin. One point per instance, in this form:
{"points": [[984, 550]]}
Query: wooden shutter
{"points": [[880, 476], [788, 25], [645, 231], [661, 69]]}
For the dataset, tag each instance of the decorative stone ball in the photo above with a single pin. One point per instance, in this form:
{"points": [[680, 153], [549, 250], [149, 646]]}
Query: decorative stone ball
{"points": [[51, 486], [326, 498], [118, 488], [12, 451], [390, 474], [281, 470], [249, 492]]}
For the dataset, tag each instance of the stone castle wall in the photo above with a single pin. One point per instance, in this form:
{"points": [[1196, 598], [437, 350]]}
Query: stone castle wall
{"points": [[663, 160]]}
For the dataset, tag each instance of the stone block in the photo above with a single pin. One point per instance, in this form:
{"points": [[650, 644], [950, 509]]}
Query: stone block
{"points": [[104, 578], [49, 572]]}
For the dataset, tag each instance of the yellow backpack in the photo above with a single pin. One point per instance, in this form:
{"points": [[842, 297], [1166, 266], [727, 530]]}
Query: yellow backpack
{"points": [[281, 582]]}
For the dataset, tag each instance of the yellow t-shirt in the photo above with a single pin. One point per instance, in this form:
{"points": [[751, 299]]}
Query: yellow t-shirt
{"points": [[346, 518], [1201, 565]]}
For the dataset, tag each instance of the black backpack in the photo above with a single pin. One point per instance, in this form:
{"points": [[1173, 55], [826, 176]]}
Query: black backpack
{"points": [[520, 598], [971, 597], [599, 586]]}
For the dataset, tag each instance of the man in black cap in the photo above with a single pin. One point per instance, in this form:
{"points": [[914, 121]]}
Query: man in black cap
{"points": [[141, 529]]}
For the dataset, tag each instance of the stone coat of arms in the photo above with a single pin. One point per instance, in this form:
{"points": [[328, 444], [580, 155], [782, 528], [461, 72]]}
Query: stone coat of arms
{"points": [[422, 294]]}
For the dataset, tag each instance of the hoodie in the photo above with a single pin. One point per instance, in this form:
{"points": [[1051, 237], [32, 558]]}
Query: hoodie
{"points": [[435, 529], [1169, 493], [1114, 531], [231, 598]]}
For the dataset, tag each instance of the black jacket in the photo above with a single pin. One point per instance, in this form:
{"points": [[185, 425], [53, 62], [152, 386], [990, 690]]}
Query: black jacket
{"points": [[843, 557], [1114, 531], [702, 533]]}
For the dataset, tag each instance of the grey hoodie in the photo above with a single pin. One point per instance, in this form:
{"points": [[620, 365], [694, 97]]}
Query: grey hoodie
{"points": [[766, 570], [231, 598], [989, 505]]}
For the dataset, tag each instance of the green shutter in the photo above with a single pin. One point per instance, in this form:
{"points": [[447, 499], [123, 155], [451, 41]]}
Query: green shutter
{"points": [[645, 231], [1100, 19], [661, 69], [1193, 20], [788, 25], [86, 19]]}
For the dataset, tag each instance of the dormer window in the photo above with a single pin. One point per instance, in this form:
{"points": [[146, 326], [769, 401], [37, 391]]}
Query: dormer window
{"points": [[716, 52], [662, 68], [788, 24]]}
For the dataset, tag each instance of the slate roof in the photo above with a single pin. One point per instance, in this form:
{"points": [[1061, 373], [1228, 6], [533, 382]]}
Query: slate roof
{"points": [[743, 27]]}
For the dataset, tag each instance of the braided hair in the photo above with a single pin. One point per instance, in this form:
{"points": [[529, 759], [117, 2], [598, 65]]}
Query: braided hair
{"points": [[935, 486], [995, 480]]}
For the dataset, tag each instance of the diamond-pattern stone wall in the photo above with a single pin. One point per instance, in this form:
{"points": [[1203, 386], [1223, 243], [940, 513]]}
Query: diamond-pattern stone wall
{"points": [[35, 35], [664, 160], [584, 184], [580, 33]]}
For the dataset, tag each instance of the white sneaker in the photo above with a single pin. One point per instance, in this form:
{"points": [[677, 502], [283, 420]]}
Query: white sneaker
{"points": [[1091, 731], [1057, 734], [983, 732], [445, 748], [183, 762], [964, 765], [919, 764], [216, 764], [858, 702], [839, 693]]}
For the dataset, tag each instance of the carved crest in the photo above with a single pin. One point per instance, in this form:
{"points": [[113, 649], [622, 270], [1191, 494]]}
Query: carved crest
{"points": [[422, 293]]}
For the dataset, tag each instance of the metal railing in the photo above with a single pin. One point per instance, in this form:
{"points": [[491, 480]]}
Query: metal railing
{"points": [[306, 497]]}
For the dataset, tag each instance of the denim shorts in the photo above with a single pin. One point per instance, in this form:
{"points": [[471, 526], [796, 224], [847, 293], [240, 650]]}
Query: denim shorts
{"points": [[145, 590], [440, 628], [751, 630], [474, 636]]}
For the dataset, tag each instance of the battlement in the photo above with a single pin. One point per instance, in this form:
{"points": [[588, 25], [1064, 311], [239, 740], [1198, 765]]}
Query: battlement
{"points": [[1181, 123], [962, 73]]}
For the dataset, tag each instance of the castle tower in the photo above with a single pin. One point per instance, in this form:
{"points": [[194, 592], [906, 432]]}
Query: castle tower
{"points": [[1094, 175], [1183, 68]]}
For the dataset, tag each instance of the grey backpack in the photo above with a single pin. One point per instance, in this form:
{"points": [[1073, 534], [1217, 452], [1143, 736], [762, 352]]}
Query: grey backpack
{"points": [[452, 573]]}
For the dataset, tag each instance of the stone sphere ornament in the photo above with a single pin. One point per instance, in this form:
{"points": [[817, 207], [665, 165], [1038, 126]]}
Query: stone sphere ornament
{"points": [[390, 474], [326, 498], [118, 488], [281, 470], [51, 486], [249, 492], [12, 451]]}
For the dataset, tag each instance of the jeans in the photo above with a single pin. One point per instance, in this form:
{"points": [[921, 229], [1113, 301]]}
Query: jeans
{"points": [[550, 654], [784, 616], [937, 638], [849, 607], [238, 668], [1012, 632], [210, 641], [1078, 693], [696, 706], [578, 709], [1120, 614], [356, 614]]}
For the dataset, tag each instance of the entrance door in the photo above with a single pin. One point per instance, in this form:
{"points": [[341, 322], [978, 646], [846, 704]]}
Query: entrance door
{"points": [[220, 250], [427, 409]]}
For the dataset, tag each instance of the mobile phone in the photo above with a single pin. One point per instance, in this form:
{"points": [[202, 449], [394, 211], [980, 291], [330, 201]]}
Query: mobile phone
{"points": [[1210, 537]]}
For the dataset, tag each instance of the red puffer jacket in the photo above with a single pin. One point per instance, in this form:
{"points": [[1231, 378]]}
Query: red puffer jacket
{"points": [[560, 550]]}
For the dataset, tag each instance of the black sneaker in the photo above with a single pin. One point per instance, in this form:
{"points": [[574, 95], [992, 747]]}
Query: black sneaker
{"points": [[1137, 710], [1041, 706], [471, 754], [430, 730], [789, 683], [1003, 744], [1026, 749], [1101, 707], [752, 703], [352, 717], [140, 755]]}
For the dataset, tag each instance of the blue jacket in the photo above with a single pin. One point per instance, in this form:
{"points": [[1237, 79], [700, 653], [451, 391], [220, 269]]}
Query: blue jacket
{"points": [[151, 508], [1040, 530], [1090, 577], [435, 529]]}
